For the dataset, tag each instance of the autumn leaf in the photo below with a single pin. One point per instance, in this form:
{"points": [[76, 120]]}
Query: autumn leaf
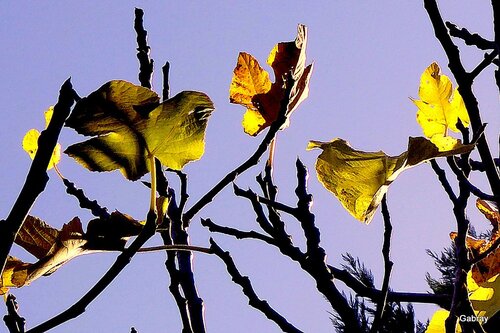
{"points": [[252, 88], [30, 142], [53, 248], [484, 298], [437, 322], [439, 108], [360, 179], [129, 125]]}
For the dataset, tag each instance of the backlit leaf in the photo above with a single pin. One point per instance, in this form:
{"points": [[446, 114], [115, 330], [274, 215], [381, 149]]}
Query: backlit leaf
{"points": [[489, 266], [484, 296], [439, 108], [252, 88], [55, 247], [30, 142], [360, 179], [129, 125], [437, 322]]}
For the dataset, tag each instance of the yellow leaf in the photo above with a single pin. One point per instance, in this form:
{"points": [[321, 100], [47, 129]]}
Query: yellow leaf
{"points": [[485, 296], [252, 88], [360, 179], [128, 125], [439, 108], [490, 211], [30, 145], [249, 79], [437, 323]]}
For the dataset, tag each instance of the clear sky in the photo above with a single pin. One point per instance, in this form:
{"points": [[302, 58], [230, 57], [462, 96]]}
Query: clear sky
{"points": [[368, 59]]}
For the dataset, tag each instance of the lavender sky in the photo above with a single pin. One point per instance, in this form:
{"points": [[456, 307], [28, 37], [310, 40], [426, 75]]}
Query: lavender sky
{"points": [[368, 58]]}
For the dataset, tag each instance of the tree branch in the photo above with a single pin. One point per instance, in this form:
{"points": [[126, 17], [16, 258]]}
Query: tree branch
{"points": [[253, 300], [382, 301], [86, 203], [464, 81], [37, 177], [14, 322], [251, 161], [120, 263], [145, 63], [469, 38], [239, 234]]}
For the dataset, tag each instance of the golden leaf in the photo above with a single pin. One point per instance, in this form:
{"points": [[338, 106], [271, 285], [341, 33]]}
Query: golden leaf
{"points": [[439, 108], [252, 88], [360, 179]]}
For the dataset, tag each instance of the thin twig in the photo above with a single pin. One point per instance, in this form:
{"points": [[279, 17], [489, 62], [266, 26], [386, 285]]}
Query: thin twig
{"points": [[487, 60], [37, 177], [175, 247], [251, 161], [166, 82], [464, 81], [239, 234], [443, 180], [462, 178], [96, 209], [14, 322], [120, 263], [382, 301], [145, 63], [469, 38], [246, 285]]}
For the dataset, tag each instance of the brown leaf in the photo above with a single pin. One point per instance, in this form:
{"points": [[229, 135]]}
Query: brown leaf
{"points": [[54, 247]]}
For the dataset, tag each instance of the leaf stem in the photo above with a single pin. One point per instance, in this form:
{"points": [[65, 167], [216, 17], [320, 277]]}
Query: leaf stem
{"points": [[152, 203]]}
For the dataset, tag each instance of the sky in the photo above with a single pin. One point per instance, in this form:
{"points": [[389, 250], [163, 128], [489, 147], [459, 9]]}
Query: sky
{"points": [[368, 58]]}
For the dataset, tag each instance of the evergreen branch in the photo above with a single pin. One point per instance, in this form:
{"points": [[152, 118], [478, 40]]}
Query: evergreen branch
{"points": [[93, 206], [145, 63], [392, 296], [251, 161], [120, 263], [382, 301], [246, 286], [469, 38], [37, 177]]}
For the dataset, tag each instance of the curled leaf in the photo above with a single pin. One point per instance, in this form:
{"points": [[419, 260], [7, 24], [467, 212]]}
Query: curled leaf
{"points": [[360, 179], [53, 248], [252, 88], [439, 108], [128, 125], [30, 142]]}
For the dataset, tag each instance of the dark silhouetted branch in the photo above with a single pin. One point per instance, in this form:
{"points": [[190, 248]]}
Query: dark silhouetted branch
{"points": [[145, 63], [37, 177], [452, 162], [239, 234], [386, 247], [246, 285], [469, 38], [86, 203], [120, 263], [443, 180], [14, 322], [464, 81], [166, 81], [251, 161]]}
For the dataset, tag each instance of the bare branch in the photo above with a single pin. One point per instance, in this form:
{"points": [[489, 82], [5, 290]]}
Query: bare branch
{"points": [[37, 177], [382, 301], [14, 322], [145, 63], [246, 285], [470, 38], [239, 234], [93, 206]]}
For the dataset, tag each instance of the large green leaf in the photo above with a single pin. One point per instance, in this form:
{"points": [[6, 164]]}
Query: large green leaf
{"points": [[129, 125]]}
